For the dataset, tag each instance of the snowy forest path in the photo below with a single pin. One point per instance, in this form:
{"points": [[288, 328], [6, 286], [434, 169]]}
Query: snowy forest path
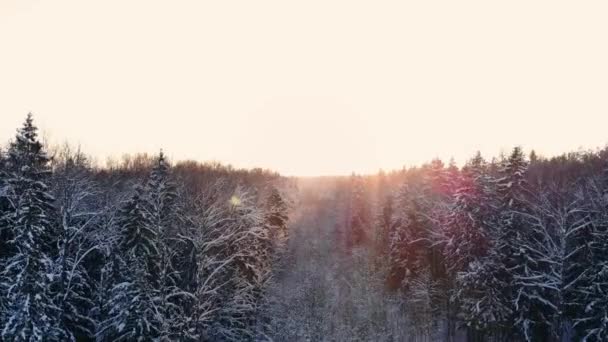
{"points": [[300, 293], [324, 292]]}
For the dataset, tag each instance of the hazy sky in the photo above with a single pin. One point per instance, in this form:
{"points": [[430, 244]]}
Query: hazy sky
{"points": [[307, 87]]}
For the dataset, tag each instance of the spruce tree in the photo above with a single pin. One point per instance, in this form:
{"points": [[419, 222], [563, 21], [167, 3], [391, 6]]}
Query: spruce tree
{"points": [[31, 315], [138, 238], [485, 288], [465, 228], [529, 253], [164, 219], [467, 243], [512, 231], [161, 198], [132, 309], [145, 303]]}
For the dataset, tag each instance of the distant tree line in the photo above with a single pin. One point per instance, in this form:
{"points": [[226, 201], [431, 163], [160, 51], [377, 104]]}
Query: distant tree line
{"points": [[136, 251]]}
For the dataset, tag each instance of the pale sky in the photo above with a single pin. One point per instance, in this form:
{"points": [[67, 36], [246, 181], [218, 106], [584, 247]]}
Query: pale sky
{"points": [[307, 87]]}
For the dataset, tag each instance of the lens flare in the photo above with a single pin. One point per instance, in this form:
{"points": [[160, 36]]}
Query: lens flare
{"points": [[235, 200]]}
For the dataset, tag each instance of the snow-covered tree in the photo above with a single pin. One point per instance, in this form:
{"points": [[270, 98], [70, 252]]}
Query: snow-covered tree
{"points": [[164, 217], [588, 301], [483, 306], [251, 267], [78, 210], [465, 229], [485, 287], [143, 303], [230, 240], [109, 268], [207, 240], [409, 240], [553, 278], [511, 231], [28, 274]]}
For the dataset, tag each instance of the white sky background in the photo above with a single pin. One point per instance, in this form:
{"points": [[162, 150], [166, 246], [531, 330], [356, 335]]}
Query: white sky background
{"points": [[307, 87]]}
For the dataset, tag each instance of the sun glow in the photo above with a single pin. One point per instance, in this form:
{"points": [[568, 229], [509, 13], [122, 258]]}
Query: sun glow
{"points": [[235, 201]]}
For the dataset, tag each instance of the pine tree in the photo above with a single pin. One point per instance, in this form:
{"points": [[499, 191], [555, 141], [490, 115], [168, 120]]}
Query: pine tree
{"points": [[511, 234], [478, 287], [146, 303], [132, 309], [164, 218], [467, 236], [486, 287], [465, 229], [531, 247], [479, 292], [162, 198], [28, 273]]}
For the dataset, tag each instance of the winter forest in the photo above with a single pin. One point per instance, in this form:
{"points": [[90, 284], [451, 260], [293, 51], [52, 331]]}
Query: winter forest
{"points": [[509, 248]]}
